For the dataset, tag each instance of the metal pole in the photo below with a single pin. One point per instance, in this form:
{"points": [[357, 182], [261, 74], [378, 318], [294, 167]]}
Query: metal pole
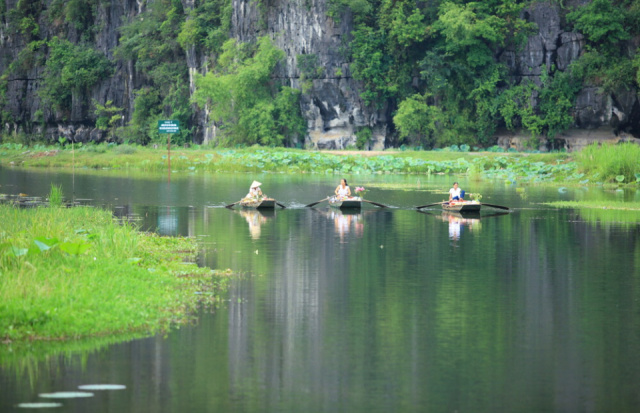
{"points": [[169, 155]]}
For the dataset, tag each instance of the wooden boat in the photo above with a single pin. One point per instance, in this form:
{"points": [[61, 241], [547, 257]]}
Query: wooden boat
{"points": [[462, 206], [346, 203], [266, 203]]}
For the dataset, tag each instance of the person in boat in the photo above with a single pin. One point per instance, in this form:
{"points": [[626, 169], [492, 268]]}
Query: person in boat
{"points": [[343, 190], [455, 193], [255, 193]]}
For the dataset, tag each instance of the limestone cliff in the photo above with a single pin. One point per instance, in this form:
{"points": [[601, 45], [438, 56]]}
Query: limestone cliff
{"points": [[331, 101]]}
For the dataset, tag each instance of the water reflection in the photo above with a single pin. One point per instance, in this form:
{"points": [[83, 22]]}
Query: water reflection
{"points": [[396, 321], [346, 221], [255, 218], [459, 222]]}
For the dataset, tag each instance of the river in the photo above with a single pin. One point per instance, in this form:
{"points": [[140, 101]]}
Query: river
{"points": [[385, 310]]}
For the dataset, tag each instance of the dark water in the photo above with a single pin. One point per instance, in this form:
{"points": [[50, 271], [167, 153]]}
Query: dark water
{"points": [[387, 310]]}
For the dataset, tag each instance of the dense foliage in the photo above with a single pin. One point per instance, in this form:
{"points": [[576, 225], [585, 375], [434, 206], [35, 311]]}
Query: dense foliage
{"points": [[439, 66], [442, 64], [243, 99]]}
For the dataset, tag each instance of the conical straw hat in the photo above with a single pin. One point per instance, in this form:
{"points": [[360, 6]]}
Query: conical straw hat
{"points": [[255, 184]]}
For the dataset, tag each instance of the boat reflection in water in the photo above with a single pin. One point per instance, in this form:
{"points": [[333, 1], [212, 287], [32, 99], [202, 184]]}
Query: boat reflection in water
{"points": [[345, 221], [458, 222], [255, 218]]}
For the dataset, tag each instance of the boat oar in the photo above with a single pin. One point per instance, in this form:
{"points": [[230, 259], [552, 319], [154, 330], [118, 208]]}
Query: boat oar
{"points": [[281, 205], [428, 205], [496, 206], [375, 203], [316, 203], [231, 205]]}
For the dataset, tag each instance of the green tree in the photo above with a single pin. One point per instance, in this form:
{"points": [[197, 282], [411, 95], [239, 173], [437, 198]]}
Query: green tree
{"points": [[244, 100], [71, 69], [601, 21], [150, 40]]}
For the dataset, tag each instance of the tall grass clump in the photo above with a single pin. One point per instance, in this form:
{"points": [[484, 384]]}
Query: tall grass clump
{"points": [[611, 163], [55, 196], [68, 273]]}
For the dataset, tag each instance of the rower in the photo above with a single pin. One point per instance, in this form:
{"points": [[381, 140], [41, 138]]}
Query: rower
{"points": [[455, 193]]}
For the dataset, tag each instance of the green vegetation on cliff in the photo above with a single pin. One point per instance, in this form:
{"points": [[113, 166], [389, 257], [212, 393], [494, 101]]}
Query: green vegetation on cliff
{"points": [[444, 70]]}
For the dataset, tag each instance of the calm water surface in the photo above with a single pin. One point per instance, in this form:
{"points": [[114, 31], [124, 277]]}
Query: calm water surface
{"points": [[387, 310]]}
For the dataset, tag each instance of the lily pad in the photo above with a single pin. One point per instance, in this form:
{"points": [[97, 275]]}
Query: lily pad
{"points": [[39, 405], [66, 395], [102, 387]]}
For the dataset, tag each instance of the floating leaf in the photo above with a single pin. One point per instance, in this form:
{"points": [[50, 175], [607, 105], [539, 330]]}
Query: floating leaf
{"points": [[66, 395], [102, 387], [39, 405]]}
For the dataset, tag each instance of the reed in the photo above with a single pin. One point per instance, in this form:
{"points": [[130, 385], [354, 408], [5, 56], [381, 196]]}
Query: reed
{"points": [[611, 163], [74, 273], [55, 196]]}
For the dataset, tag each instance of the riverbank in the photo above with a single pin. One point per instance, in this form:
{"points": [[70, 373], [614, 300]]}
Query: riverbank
{"points": [[76, 273], [595, 165]]}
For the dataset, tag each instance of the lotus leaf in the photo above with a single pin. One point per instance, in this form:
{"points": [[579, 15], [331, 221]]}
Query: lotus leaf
{"points": [[45, 244], [74, 248]]}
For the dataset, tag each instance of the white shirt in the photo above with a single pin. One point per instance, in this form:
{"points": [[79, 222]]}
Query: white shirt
{"points": [[454, 192], [343, 191]]}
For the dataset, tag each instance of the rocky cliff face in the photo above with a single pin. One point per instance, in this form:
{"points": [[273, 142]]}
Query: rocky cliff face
{"points": [[330, 100], [27, 114], [610, 114]]}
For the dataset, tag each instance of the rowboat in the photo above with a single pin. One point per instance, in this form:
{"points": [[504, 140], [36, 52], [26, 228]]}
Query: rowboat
{"points": [[266, 203], [462, 206], [350, 202]]}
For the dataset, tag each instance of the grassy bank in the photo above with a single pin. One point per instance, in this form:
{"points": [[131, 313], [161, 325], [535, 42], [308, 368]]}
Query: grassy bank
{"points": [[597, 165], [604, 212], [75, 273], [610, 205]]}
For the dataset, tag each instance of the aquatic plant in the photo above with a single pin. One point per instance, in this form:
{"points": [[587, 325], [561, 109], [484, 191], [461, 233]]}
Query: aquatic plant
{"points": [[55, 196], [610, 163], [526, 167]]}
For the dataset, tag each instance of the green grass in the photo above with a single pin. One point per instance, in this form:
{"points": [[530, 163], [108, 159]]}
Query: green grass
{"points": [[75, 273], [604, 212], [611, 163], [617, 205]]}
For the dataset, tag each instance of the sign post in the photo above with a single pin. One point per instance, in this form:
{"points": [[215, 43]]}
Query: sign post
{"points": [[168, 127]]}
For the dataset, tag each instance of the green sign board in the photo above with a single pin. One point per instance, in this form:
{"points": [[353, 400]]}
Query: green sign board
{"points": [[168, 126]]}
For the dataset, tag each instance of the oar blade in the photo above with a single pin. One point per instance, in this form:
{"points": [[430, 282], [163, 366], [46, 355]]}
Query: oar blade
{"points": [[281, 205], [375, 203], [315, 203], [496, 206], [428, 205]]}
